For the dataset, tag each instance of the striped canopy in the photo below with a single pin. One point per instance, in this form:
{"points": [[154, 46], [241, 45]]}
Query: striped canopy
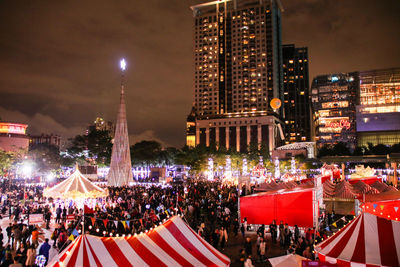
{"points": [[74, 187], [367, 241], [173, 243]]}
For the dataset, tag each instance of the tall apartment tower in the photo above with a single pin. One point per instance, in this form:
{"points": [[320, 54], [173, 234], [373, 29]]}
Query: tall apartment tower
{"points": [[296, 97], [238, 70]]}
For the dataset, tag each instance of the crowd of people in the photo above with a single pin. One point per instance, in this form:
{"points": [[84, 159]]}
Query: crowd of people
{"points": [[208, 207]]}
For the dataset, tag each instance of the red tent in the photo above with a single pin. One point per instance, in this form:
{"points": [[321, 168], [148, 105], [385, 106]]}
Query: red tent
{"points": [[366, 241], [293, 206], [386, 204], [172, 244]]}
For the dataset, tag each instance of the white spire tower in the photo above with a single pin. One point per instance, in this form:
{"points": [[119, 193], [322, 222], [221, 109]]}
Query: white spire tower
{"points": [[120, 173]]}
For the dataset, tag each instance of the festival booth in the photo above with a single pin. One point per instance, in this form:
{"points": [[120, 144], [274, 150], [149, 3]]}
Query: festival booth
{"points": [[293, 206], [330, 171], [173, 243], [385, 205], [365, 175], [368, 240]]}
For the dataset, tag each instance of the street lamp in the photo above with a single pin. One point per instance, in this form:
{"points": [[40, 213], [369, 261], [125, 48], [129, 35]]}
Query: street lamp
{"points": [[122, 64]]}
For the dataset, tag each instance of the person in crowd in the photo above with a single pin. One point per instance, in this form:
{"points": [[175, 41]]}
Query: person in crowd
{"points": [[45, 249], [30, 256], [223, 237], [242, 230], [307, 253], [21, 252], [248, 246], [273, 231], [248, 262], [8, 260], [58, 214], [9, 232], [262, 250], [16, 262], [35, 237]]}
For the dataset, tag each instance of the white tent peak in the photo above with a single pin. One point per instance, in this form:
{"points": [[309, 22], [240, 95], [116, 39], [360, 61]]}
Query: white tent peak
{"points": [[75, 186]]}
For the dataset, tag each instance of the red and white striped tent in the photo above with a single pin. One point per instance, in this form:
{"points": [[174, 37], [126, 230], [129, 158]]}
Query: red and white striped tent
{"points": [[366, 241], [173, 243]]}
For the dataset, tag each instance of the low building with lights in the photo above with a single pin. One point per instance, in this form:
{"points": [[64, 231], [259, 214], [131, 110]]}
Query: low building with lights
{"points": [[334, 100], [191, 128], [239, 132], [45, 139], [378, 112], [13, 137]]}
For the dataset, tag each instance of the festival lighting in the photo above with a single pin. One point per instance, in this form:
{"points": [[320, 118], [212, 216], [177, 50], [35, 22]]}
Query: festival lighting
{"points": [[228, 167], [293, 166], [27, 168], [244, 168], [210, 172], [277, 171], [122, 64], [50, 177]]}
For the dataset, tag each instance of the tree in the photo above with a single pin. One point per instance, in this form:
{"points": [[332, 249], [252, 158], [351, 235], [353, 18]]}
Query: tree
{"points": [[395, 148], [341, 149], [325, 150], [6, 161], [46, 157], [380, 149], [96, 146], [145, 153]]}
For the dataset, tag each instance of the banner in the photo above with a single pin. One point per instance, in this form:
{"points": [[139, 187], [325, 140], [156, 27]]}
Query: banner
{"points": [[36, 218], [70, 217]]}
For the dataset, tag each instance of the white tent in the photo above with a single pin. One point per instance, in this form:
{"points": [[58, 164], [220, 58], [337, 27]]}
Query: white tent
{"points": [[291, 260], [74, 187]]}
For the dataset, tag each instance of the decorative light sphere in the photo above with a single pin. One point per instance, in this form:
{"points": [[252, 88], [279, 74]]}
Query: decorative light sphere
{"points": [[122, 64]]}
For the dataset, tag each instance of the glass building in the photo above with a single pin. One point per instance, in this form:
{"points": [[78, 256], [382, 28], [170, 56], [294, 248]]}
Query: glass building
{"points": [[296, 95], [378, 113], [334, 100]]}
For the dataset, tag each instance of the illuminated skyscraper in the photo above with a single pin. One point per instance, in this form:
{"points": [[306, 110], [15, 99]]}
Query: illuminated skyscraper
{"points": [[296, 95], [238, 70]]}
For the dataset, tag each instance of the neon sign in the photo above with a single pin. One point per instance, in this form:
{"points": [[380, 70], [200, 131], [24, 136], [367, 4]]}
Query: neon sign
{"points": [[342, 124], [12, 128]]}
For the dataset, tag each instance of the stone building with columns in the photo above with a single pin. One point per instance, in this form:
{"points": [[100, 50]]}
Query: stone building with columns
{"points": [[240, 132]]}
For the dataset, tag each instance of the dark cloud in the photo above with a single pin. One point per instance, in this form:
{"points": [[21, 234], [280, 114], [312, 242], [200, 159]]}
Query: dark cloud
{"points": [[58, 60]]}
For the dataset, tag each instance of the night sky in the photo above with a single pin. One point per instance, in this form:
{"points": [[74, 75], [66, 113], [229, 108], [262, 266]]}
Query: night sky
{"points": [[59, 61]]}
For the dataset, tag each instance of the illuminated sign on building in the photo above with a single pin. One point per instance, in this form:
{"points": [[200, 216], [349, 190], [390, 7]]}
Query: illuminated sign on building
{"points": [[338, 124], [336, 104], [12, 128], [334, 125]]}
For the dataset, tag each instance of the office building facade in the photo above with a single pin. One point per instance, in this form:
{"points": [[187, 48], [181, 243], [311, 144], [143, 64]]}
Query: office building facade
{"points": [[296, 97], [334, 100], [238, 59], [45, 139], [378, 112]]}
